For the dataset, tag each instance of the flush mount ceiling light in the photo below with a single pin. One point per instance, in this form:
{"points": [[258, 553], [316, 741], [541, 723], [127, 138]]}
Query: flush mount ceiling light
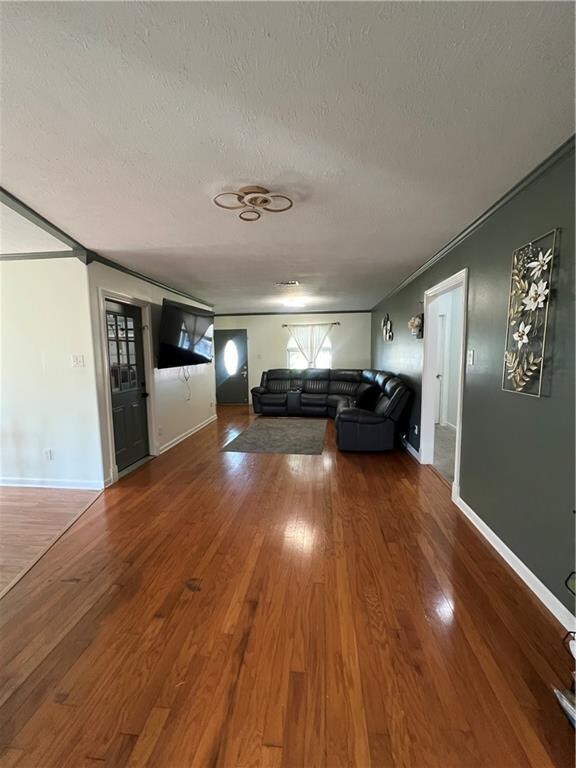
{"points": [[251, 201], [288, 283]]}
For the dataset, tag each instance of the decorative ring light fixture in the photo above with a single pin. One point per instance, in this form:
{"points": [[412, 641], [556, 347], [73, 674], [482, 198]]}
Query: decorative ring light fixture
{"points": [[251, 201]]}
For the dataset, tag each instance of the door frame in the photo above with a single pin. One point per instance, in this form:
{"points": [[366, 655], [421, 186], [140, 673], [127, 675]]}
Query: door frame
{"points": [[428, 407], [108, 446]]}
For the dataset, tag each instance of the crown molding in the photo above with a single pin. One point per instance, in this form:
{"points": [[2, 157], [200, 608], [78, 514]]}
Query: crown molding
{"points": [[78, 250], [96, 257], [300, 312], [31, 215], [558, 154]]}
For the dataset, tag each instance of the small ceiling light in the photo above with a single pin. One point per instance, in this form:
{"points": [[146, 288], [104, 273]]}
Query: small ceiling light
{"points": [[288, 283], [252, 201]]}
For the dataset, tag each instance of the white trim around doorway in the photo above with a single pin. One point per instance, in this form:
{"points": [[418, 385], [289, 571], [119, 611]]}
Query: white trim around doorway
{"points": [[426, 453], [105, 294]]}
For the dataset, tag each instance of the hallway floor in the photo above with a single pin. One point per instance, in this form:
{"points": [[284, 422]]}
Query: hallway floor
{"points": [[233, 610], [445, 450]]}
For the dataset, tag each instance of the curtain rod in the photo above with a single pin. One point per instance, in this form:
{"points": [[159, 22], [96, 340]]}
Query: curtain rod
{"points": [[306, 325]]}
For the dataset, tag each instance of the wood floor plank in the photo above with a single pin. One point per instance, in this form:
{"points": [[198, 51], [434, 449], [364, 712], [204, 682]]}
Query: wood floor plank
{"points": [[31, 519], [263, 610]]}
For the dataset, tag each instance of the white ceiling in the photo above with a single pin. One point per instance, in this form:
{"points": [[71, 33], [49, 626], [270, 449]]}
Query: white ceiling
{"points": [[18, 235], [392, 125]]}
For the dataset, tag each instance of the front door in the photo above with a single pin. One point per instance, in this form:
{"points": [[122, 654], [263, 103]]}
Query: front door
{"points": [[127, 382], [231, 358]]}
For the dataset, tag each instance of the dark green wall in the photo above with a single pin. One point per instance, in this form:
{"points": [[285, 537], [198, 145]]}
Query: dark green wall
{"points": [[517, 463]]}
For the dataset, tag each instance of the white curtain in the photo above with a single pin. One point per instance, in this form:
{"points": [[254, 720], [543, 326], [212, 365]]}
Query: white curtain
{"points": [[309, 339]]}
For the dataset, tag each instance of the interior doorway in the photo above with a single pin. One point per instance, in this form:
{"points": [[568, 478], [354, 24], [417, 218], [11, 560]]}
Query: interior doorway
{"points": [[443, 376], [127, 383]]}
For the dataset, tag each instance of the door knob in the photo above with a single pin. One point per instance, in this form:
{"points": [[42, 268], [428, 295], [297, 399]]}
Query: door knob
{"points": [[438, 375]]}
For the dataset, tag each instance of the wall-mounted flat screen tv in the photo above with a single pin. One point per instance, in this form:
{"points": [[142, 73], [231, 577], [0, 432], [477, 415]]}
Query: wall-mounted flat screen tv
{"points": [[186, 335]]}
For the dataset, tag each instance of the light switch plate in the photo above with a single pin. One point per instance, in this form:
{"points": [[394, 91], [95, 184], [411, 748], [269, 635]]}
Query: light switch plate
{"points": [[77, 361]]}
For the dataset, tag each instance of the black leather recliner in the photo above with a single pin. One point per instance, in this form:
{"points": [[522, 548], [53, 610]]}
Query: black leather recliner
{"points": [[333, 393], [361, 430]]}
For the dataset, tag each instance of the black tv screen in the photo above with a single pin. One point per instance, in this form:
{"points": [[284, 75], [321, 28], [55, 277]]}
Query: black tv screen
{"points": [[186, 335]]}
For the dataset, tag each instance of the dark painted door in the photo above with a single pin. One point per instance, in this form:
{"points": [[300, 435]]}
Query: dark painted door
{"points": [[127, 383], [231, 357]]}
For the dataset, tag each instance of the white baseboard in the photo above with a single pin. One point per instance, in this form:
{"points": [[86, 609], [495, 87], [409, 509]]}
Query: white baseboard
{"points": [[41, 482], [184, 435], [411, 450], [541, 591]]}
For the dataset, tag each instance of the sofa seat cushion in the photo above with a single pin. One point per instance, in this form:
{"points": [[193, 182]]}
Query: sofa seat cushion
{"points": [[273, 398], [308, 399]]}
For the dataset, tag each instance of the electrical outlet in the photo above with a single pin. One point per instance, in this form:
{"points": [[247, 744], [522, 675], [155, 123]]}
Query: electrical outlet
{"points": [[77, 361], [416, 429], [470, 357], [160, 431], [49, 454]]}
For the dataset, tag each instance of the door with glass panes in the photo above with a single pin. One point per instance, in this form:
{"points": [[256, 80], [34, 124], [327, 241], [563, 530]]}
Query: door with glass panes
{"points": [[127, 382]]}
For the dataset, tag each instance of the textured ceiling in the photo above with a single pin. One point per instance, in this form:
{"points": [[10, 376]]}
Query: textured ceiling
{"points": [[392, 125], [18, 235]]}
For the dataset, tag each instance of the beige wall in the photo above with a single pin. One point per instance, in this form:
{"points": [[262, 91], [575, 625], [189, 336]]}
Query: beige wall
{"points": [[267, 339], [47, 405], [175, 411]]}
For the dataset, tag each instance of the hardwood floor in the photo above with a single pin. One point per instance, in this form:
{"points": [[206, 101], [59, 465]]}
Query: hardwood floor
{"points": [[31, 519], [225, 609]]}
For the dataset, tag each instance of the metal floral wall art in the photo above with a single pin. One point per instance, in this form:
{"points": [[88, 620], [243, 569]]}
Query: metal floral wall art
{"points": [[387, 332], [528, 315]]}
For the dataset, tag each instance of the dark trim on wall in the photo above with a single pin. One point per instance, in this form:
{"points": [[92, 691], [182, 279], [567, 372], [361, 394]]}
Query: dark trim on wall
{"points": [[93, 256], [28, 213], [78, 250], [39, 255], [301, 312], [557, 155]]}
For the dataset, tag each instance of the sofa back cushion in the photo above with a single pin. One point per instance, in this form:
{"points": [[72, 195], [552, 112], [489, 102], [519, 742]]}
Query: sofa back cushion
{"points": [[369, 397], [368, 375], [394, 398], [344, 382], [278, 380], [316, 381]]}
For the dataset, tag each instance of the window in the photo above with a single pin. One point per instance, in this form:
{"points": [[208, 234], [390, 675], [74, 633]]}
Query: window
{"points": [[231, 358], [297, 360]]}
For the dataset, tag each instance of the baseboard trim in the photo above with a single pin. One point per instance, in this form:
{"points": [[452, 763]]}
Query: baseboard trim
{"points": [[188, 433], [411, 450], [550, 601], [40, 482]]}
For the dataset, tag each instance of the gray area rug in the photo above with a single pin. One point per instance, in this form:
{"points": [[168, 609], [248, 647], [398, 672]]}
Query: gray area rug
{"points": [[280, 435]]}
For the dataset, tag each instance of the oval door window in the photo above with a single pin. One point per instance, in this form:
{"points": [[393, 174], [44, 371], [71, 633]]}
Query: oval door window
{"points": [[231, 358]]}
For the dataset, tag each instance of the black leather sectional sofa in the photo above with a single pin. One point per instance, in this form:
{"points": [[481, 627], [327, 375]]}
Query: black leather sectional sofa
{"points": [[334, 393]]}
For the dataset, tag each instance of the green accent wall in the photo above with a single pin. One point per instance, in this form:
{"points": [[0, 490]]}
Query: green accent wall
{"points": [[517, 462]]}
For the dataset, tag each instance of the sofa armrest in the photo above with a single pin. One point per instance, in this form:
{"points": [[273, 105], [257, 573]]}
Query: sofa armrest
{"points": [[258, 390], [361, 416]]}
